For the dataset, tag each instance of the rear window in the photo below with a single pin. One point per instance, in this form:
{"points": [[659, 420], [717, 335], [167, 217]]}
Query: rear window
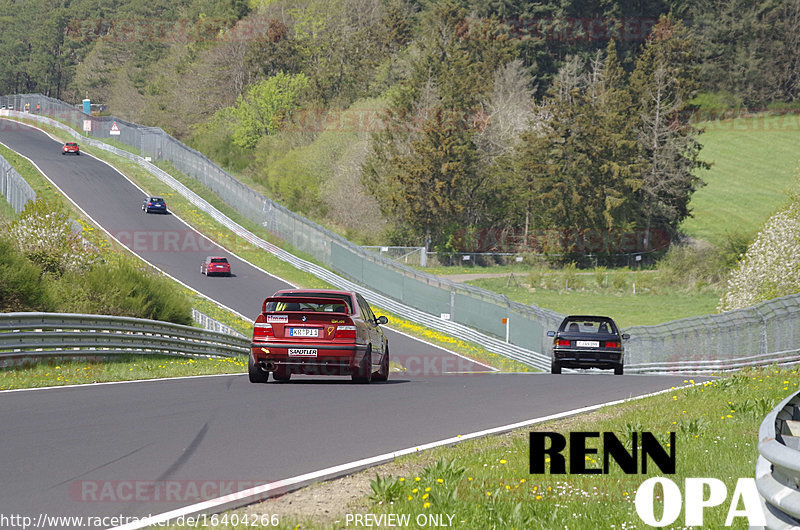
{"points": [[589, 325], [156, 199], [219, 260], [336, 304]]}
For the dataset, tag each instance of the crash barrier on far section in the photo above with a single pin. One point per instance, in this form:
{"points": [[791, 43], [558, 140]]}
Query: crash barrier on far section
{"points": [[778, 466], [24, 336], [13, 187], [206, 322], [762, 335]]}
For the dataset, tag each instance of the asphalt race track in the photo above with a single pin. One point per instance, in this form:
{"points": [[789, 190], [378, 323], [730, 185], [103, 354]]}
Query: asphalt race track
{"points": [[148, 447]]}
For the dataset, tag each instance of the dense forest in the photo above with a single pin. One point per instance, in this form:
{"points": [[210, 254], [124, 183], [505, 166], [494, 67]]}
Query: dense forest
{"points": [[456, 124]]}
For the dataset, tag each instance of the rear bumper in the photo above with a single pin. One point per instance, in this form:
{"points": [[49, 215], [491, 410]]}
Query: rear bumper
{"points": [[571, 358], [331, 359]]}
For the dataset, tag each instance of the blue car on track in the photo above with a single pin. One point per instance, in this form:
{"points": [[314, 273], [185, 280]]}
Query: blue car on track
{"points": [[154, 204]]}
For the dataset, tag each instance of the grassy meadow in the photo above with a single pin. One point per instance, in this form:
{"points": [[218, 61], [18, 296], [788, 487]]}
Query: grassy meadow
{"points": [[754, 163]]}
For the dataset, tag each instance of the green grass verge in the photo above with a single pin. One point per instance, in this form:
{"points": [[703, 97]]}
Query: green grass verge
{"points": [[754, 162], [209, 227], [653, 302], [486, 483]]}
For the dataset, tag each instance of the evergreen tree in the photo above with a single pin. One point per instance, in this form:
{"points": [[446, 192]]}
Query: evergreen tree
{"points": [[580, 169], [423, 169], [663, 82]]}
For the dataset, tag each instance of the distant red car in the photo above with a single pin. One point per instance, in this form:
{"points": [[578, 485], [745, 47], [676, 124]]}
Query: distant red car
{"points": [[318, 331], [215, 265], [71, 147]]}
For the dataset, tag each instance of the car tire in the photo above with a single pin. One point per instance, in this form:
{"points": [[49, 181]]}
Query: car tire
{"points": [[201, 270], [255, 373], [63, 153], [383, 373], [363, 374], [555, 367], [281, 374], [78, 154], [619, 369]]}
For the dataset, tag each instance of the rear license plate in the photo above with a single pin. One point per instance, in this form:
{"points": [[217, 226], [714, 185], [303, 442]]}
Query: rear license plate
{"points": [[303, 332], [587, 343], [297, 352]]}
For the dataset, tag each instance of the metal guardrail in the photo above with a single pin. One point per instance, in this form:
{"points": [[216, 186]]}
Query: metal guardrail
{"points": [[28, 335], [778, 466]]}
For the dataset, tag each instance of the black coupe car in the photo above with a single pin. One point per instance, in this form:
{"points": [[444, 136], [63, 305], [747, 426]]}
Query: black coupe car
{"points": [[584, 341]]}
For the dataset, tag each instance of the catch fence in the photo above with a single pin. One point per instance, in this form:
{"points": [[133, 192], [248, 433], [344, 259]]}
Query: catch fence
{"points": [[13, 187]]}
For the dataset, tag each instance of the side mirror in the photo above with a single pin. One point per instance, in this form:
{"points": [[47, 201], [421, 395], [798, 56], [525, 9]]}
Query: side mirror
{"points": [[625, 336], [382, 320], [551, 333]]}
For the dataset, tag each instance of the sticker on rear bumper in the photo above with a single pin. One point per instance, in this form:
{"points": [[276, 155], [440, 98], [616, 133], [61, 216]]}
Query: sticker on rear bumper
{"points": [[302, 352]]}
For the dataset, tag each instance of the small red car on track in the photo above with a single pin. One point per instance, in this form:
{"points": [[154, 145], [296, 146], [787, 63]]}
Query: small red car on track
{"points": [[215, 265], [71, 147], [321, 332]]}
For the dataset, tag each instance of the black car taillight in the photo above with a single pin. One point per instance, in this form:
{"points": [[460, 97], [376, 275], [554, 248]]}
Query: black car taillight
{"points": [[612, 344], [562, 342]]}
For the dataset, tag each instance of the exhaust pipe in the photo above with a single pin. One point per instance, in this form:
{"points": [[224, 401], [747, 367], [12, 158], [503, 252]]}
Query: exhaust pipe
{"points": [[269, 366]]}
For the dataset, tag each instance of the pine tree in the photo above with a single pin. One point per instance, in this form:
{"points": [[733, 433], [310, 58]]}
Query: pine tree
{"points": [[663, 82]]}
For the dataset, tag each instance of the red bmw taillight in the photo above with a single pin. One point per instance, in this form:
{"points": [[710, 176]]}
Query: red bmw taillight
{"points": [[345, 332], [562, 342], [262, 330], [612, 344]]}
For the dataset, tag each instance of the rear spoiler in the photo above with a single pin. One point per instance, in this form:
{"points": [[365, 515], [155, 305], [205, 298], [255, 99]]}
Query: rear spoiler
{"points": [[306, 300]]}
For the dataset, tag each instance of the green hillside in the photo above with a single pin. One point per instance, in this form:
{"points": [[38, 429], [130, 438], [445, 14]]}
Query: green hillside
{"points": [[754, 164]]}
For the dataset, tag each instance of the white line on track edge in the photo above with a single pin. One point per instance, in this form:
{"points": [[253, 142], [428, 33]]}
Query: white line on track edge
{"points": [[280, 487]]}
